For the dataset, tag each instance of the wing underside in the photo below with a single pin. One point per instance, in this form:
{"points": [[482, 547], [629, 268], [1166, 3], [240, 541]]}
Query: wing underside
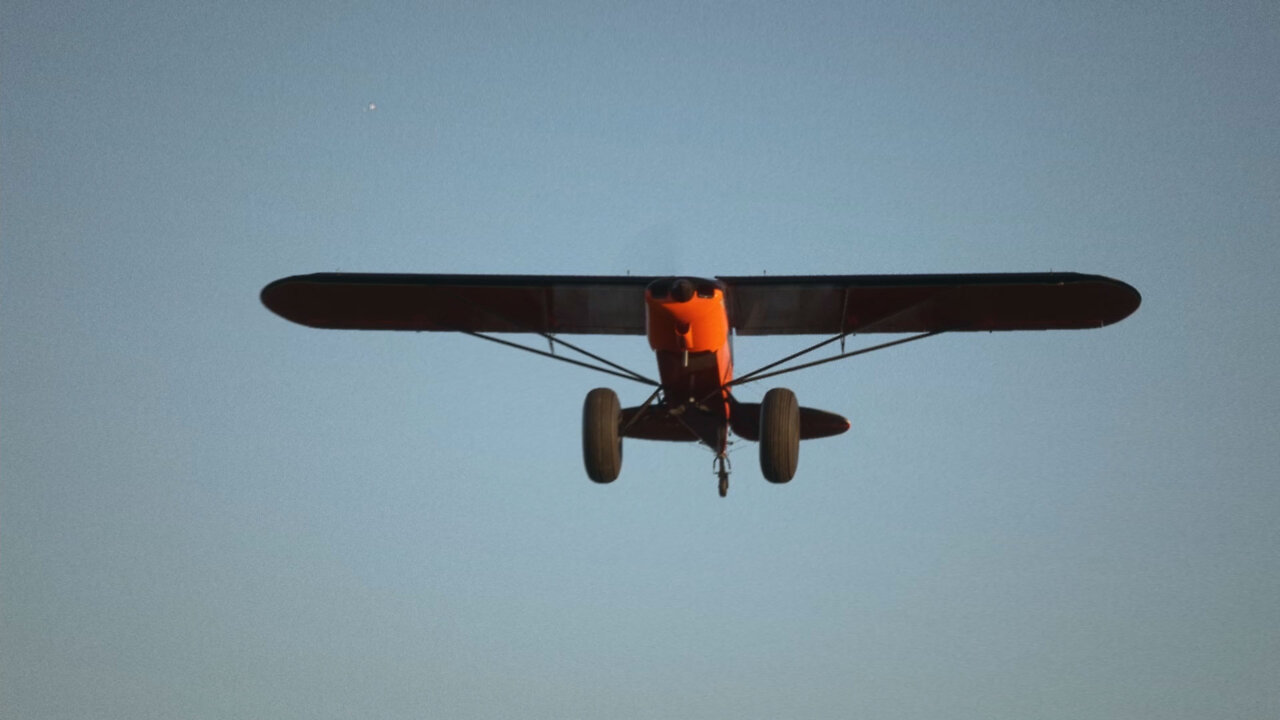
{"points": [[835, 304], [612, 305], [765, 305]]}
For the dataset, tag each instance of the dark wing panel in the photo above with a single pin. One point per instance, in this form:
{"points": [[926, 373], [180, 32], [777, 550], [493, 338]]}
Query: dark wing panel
{"points": [[476, 303], [832, 304]]}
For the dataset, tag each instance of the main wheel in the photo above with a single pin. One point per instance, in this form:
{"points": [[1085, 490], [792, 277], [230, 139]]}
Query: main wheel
{"points": [[779, 435], [601, 442]]}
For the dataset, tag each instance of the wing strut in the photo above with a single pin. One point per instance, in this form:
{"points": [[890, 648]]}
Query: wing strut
{"points": [[751, 375], [631, 373], [627, 374], [760, 374], [617, 371]]}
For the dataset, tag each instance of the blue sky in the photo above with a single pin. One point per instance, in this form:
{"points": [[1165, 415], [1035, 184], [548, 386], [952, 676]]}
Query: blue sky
{"points": [[206, 511]]}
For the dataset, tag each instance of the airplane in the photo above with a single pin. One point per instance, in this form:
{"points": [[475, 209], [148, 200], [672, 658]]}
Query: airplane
{"points": [[690, 323]]}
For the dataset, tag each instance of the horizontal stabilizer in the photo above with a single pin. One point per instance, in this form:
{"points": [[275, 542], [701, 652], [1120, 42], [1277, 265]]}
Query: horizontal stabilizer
{"points": [[745, 422]]}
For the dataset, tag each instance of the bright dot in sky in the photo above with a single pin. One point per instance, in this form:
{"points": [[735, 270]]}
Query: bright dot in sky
{"points": [[371, 107]]}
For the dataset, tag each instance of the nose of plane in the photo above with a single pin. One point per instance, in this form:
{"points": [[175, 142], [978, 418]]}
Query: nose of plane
{"points": [[682, 290]]}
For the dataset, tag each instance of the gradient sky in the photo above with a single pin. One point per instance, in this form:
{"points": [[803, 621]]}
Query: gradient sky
{"points": [[208, 512]]}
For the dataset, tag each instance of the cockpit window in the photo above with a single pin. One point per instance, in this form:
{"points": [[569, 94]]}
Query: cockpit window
{"points": [[706, 289]]}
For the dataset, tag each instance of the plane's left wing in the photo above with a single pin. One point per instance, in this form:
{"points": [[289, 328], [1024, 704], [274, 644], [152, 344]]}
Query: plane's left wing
{"points": [[610, 305], [836, 304]]}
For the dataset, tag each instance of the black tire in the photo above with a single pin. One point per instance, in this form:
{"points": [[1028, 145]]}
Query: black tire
{"points": [[779, 435], [601, 441]]}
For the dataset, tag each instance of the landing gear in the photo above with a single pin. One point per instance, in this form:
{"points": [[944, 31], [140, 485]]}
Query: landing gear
{"points": [[722, 471], [779, 435], [601, 439]]}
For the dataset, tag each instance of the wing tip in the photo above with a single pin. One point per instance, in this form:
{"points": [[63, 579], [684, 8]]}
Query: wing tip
{"points": [[280, 297], [1123, 300]]}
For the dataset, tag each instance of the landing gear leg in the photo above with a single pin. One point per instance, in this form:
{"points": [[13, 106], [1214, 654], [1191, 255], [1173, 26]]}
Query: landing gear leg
{"points": [[722, 471]]}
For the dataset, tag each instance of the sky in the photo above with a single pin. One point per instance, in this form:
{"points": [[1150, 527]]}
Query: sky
{"points": [[209, 512]]}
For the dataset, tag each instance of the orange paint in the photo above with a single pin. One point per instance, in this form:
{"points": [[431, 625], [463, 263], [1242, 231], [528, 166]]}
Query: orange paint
{"points": [[688, 329], [698, 325]]}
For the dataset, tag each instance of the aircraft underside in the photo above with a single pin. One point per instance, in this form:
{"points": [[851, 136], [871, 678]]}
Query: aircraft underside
{"points": [[688, 322], [779, 420]]}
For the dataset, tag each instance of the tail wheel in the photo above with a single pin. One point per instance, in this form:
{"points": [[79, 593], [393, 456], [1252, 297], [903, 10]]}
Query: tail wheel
{"points": [[601, 441], [779, 435]]}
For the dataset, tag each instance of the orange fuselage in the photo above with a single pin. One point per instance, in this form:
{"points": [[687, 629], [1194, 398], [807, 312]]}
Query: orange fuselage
{"points": [[687, 323]]}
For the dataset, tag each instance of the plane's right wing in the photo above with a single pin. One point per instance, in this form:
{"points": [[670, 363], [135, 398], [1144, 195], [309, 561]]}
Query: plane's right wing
{"points": [[588, 304]]}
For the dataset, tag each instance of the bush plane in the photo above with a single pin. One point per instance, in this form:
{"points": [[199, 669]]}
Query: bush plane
{"points": [[690, 323]]}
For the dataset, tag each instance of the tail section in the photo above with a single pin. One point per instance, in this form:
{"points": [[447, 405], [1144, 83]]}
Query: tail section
{"points": [[744, 419]]}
